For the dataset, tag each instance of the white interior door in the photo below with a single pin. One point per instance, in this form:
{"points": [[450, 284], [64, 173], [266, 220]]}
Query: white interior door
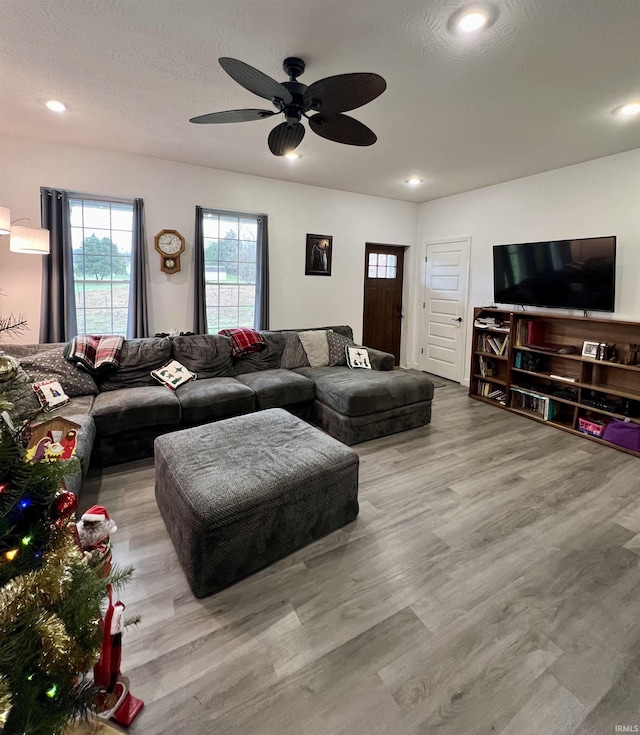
{"points": [[444, 307]]}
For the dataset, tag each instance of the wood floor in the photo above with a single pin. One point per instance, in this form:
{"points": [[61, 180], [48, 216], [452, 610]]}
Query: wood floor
{"points": [[491, 584]]}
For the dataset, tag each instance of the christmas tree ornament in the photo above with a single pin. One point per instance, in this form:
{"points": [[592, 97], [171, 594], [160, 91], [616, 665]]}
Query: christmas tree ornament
{"points": [[8, 368], [94, 529], [64, 504]]}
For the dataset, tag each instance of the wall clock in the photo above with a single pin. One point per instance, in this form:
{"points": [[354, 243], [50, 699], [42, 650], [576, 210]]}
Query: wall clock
{"points": [[170, 244]]}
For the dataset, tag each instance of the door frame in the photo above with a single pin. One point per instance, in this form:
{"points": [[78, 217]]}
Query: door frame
{"points": [[464, 377]]}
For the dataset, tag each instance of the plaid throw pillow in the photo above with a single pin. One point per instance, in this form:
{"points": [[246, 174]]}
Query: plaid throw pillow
{"points": [[244, 340]]}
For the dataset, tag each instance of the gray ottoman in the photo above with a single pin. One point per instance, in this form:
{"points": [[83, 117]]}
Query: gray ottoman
{"points": [[237, 495]]}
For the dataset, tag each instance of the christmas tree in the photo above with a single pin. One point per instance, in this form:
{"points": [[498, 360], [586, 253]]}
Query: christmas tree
{"points": [[50, 595]]}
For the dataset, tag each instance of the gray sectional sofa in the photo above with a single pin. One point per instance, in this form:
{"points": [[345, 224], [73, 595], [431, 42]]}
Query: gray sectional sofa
{"points": [[122, 412]]}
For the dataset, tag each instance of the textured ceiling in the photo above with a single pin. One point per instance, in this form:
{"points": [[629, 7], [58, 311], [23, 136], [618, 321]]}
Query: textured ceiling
{"points": [[532, 93]]}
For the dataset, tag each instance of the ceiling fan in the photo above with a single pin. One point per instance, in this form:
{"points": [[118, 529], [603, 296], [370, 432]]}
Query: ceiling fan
{"points": [[328, 98]]}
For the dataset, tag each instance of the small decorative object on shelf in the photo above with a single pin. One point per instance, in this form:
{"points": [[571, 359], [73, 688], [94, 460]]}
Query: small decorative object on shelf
{"points": [[633, 355], [590, 349]]}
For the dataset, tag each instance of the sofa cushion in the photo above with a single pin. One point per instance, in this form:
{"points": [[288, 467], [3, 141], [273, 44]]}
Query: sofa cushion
{"points": [[50, 364], [129, 409], [274, 388], [267, 359], [363, 392], [138, 358], [316, 346], [207, 355], [293, 355], [214, 398]]}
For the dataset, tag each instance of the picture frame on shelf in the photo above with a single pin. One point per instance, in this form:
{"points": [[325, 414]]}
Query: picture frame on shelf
{"points": [[590, 349], [318, 254]]}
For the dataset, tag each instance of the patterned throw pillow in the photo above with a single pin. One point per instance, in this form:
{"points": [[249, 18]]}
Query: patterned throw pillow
{"points": [[244, 340], [50, 364], [50, 394], [173, 374], [316, 346], [357, 357], [337, 343]]}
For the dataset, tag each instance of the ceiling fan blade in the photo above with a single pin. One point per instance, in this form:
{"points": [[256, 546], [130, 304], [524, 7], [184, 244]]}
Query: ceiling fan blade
{"points": [[233, 116], [285, 138], [342, 129], [343, 92], [255, 81]]}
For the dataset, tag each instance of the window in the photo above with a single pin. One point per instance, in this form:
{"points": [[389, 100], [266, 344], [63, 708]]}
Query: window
{"points": [[382, 265], [231, 269], [101, 241]]}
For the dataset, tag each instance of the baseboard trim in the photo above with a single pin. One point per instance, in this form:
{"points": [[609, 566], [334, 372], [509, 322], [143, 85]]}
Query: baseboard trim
{"points": [[413, 366]]}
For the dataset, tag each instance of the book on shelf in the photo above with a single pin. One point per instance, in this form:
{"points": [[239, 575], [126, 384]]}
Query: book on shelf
{"points": [[534, 403], [492, 343], [487, 367], [492, 392]]}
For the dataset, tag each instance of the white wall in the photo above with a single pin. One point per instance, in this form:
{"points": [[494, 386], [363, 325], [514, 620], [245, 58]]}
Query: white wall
{"points": [[592, 199], [170, 192]]}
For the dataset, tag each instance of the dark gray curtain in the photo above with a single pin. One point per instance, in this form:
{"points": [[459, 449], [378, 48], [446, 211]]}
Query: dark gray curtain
{"points": [[137, 320], [199, 290], [262, 278], [58, 304]]}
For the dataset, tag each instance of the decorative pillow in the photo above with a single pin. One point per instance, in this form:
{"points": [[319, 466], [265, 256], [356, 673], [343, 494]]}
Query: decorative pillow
{"points": [[293, 355], [337, 343], [267, 359], [50, 394], [207, 355], [316, 346], [244, 341], [138, 358], [50, 364], [357, 357], [173, 374]]}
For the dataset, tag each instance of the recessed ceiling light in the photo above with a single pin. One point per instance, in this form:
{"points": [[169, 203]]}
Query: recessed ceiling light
{"points": [[292, 156], [472, 21], [631, 108], [414, 181], [56, 106], [472, 18]]}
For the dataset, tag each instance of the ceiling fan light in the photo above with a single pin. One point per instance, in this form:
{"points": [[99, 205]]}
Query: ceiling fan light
{"points": [[414, 181], [292, 155]]}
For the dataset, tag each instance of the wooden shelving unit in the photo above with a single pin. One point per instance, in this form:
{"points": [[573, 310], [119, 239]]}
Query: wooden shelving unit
{"points": [[532, 364]]}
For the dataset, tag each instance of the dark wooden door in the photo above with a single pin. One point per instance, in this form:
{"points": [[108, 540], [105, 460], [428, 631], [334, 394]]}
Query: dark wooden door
{"points": [[383, 273]]}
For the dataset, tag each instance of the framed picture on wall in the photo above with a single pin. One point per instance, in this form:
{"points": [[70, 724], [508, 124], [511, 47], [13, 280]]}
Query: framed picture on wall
{"points": [[318, 255]]}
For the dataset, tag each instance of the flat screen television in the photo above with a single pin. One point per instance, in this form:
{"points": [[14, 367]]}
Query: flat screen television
{"points": [[567, 274]]}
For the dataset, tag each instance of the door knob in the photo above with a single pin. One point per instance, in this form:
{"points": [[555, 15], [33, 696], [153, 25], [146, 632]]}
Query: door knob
{"points": [[459, 319]]}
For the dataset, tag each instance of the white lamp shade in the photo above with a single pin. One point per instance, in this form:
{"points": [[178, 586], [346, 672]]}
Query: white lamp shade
{"points": [[29, 240], [5, 221]]}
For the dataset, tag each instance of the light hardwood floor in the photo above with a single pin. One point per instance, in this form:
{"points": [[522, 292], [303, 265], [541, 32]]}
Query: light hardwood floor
{"points": [[491, 584]]}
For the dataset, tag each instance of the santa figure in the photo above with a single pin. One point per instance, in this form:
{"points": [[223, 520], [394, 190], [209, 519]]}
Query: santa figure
{"points": [[94, 530]]}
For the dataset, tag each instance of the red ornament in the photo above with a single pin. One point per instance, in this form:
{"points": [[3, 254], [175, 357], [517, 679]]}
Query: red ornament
{"points": [[64, 504]]}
